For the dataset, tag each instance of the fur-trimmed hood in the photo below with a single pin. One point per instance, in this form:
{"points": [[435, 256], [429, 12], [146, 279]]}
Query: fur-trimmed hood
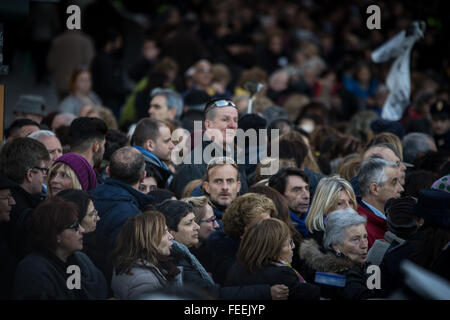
{"points": [[313, 256]]}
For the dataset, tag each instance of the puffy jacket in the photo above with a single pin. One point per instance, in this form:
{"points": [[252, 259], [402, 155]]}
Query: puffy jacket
{"points": [[115, 202]]}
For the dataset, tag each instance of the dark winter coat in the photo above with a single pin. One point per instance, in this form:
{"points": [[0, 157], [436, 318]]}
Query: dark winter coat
{"points": [[115, 202], [218, 255], [194, 275], [8, 264], [272, 275], [18, 226], [43, 276], [321, 260]]}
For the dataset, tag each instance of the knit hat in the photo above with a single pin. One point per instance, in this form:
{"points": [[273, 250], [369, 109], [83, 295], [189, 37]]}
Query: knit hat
{"points": [[401, 218], [31, 104], [196, 100], [442, 184], [434, 207], [382, 125], [252, 121], [82, 168]]}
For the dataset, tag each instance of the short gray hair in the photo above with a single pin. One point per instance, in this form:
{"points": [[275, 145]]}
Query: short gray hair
{"points": [[41, 134], [336, 223], [173, 99], [373, 171], [415, 143]]}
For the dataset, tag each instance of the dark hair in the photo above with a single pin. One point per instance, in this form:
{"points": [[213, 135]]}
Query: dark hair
{"points": [[160, 195], [401, 219], [297, 149], [279, 180], [19, 155], [83, 131], [17, 124], [79, 197], [151, 171], [433, 161], [281, 204], [174, 211], [417, 180], [316, 111], [115, 139], [127, 165], [49, 219], [146, 129]]}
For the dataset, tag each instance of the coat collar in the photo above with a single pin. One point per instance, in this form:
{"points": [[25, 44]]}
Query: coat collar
{"points": [[321, 261]]}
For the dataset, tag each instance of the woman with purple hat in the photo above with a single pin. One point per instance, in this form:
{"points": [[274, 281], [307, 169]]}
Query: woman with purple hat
{"points": [[71, 171]]}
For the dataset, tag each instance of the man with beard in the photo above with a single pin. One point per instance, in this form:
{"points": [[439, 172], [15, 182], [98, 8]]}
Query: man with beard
{"points": [[293, 184], [153, 139], [221, 184], [87, 138]]}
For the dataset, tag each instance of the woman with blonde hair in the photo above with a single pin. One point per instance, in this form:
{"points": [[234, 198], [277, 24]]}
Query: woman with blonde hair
{"points": [[264, 257], [332, 193], [140, 257], [71, 171]]}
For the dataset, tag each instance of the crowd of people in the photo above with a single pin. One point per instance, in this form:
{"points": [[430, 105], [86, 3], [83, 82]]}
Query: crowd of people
{"points": [[140, 181]]}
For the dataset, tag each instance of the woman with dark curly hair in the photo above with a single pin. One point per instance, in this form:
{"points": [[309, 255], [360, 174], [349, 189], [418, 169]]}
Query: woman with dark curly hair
{"points": [[221, 247]]}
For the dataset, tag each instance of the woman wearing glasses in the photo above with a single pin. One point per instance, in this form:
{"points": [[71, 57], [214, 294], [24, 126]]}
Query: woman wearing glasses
{"points": [[204, 217], [264, 257], [185, 231], [88, 215], [56, 269]]}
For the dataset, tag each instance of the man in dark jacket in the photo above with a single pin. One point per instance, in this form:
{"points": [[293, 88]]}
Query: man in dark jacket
{"points": [[118, 199], [220, 121], [153, 139], [24, 161], [293, 184]]}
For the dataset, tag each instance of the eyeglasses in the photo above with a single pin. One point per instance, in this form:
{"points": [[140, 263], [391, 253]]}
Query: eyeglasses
{"points": [[93, 213], [8, 197], [220, 160], [74, 226], [212, 219], [43, 170], [218, 104]]}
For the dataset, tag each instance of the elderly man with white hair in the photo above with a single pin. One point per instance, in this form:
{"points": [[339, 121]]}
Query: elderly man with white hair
{"points": [[379, 181], [51, 143]]}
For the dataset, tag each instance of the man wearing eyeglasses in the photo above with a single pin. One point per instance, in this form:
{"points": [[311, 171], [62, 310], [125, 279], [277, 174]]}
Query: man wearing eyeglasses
{"points": [[24, 161], [221, 124]]}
